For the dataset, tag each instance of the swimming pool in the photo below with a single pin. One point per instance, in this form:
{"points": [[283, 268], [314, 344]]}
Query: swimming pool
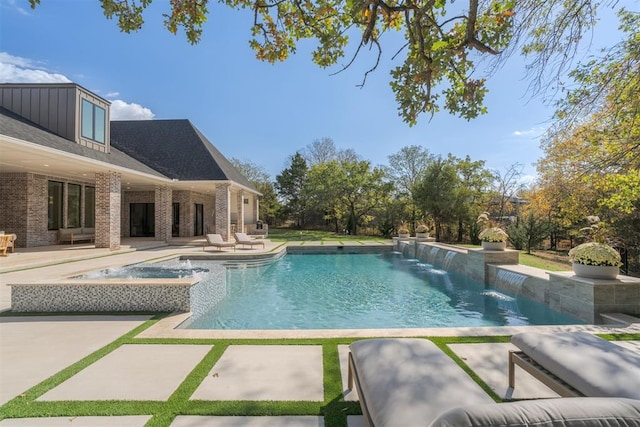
{"points": [[362, 291]]}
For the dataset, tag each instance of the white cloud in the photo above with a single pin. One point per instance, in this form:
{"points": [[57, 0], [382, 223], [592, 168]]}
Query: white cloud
{"points": [[121, 110], [20, 10], [533, 132], [14, 69]]}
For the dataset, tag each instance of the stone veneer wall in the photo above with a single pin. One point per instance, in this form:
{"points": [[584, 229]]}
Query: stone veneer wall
{"points": [[81, 295], [582, 298]]}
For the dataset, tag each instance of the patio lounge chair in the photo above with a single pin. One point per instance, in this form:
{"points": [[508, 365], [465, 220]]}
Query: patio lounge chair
{"points": [[5, 241], [408, 381], [411, 382], [216, 241], [243, 239], [577, 364]]}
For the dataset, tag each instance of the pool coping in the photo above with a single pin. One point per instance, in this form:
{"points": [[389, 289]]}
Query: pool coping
{"points": [[169, 328]]}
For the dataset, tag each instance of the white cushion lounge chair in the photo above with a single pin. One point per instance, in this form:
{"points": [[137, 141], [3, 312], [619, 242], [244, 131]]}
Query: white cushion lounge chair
{"points": [[577, 364], [410, 382], [216, 241], [243, 239]]}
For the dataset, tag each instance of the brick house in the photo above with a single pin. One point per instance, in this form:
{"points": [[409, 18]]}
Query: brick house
{"points": [[64, 164]]}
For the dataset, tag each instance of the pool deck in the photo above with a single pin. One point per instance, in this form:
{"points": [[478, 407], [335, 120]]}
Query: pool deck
{"points": [[36, 347]]}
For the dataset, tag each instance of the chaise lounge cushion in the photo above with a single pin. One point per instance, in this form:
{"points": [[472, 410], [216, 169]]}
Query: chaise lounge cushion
{"points": [[410, 381], [566, 412], [591, 365]]}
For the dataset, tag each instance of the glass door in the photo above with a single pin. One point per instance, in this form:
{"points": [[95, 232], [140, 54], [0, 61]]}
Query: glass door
{"points": [[142, 220], [198, 220]]}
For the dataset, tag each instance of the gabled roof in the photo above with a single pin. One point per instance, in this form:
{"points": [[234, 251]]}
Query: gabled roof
{"points": [[18, 127], [175, 148]]}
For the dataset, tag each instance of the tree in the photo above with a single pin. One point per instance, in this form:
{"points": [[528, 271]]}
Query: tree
{"points": [[443, 40], [290, 184], [269, 207], [475, 180], [528, 233], [348, 191], [405, 169], [437, 192], [324, 150]]}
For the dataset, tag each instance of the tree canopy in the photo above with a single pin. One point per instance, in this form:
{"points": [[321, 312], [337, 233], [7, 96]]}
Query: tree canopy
{"points": [[444, 41]]}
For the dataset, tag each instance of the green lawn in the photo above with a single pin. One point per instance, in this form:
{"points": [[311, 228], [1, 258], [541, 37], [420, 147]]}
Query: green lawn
{"points": [[291, 235]]}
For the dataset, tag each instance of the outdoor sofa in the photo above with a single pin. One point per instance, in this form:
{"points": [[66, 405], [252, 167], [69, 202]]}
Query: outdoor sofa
{"points": [[73, 235], [411, 382]]}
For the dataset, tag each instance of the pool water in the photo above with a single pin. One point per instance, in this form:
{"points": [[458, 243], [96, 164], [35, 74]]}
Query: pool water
{"points": [[360, 292]]}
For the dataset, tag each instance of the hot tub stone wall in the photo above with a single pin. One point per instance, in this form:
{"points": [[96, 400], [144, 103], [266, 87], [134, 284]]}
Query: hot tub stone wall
{"points": [[70, 297]]}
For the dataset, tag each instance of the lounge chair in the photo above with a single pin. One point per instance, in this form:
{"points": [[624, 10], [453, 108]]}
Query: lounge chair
{"points": [[577, 364], [5, 241], [216, 241], [243, 239], [411, 382], [408, 381]]}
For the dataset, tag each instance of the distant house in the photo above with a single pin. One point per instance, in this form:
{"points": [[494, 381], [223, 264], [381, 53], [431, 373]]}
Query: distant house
{"points": [[64, 164]]}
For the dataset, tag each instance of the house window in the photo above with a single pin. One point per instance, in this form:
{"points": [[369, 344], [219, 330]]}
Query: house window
{"points": [[89, 207], [73, 205], [54, 208], [93, 121]]}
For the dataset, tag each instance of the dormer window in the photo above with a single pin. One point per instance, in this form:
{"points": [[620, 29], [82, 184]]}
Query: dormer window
{"points": [[93, 121]]}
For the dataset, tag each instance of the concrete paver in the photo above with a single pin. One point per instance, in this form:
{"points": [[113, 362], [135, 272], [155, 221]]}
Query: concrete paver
{"points": [[285, 421], [132, 372], [271, 372], [118, 421], [490, 362], [355, 421], [36, 347]]}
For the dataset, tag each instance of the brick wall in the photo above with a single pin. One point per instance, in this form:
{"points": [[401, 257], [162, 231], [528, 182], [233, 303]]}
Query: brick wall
{"points": [[163, 213], [108, 208]]}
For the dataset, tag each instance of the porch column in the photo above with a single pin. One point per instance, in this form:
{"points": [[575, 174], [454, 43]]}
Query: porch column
{"points": [[108, 196], [163, 212], [256, 207], [223, 211], [240, 204]]}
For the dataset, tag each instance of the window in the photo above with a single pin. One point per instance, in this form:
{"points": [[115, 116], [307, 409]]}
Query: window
{"points": [[93, 122], [89, 207], [54, 207], [73, 205]]}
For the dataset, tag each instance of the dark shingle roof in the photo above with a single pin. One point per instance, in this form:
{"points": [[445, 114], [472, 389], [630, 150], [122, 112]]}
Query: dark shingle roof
{"points": [[18, 127], [175, 148]]}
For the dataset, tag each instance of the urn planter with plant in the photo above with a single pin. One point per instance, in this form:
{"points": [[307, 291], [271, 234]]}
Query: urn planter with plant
{"points": [[403, 231], [422, 231], [493, 238], [595, 259]]}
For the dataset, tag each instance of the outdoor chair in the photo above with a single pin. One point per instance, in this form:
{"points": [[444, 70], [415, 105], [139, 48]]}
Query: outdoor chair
{"points": [[5, 241], [243, 239], [216, 241]]}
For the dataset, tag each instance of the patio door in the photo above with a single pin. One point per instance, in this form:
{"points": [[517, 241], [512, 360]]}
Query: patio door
{"points": [[198, 220], [175, 220], [142, 220]]}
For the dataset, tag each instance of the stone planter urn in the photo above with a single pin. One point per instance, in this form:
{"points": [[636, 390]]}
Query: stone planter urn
{"points": [[403, 235], [494, 246], [595, 271], [422, 235]]}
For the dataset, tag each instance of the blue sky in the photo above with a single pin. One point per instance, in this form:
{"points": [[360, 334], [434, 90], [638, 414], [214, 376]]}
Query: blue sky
{"points": [[253, 110]]}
